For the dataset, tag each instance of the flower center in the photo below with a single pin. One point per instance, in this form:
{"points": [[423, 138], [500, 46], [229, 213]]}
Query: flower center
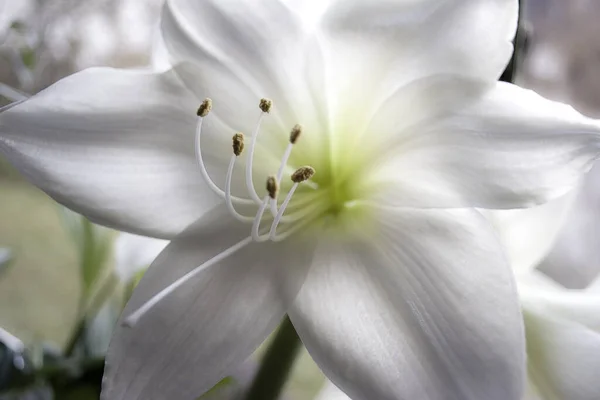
{"points": [[307, 202]]}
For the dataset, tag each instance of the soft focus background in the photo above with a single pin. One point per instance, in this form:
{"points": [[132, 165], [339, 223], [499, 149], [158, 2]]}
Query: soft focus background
{"points": [[62, 280]]}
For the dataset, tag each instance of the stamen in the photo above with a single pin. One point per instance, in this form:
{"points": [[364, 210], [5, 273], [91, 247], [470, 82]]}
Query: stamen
{"points": [[204, 108], [202, 112], [272, 187], [294, 136], [238, 144], [228, 202], [265, 106], [134, 317], [256, 224], [300, 175]]}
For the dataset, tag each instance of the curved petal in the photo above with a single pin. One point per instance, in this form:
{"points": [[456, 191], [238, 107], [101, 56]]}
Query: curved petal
{"points": [[423, 308], [512, 149], [116, 146], [564, 357], [529, 234], [375, 47], [575, 259], [237, 52], [194, 336]]}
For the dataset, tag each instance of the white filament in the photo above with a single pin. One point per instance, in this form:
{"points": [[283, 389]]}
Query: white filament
{"points": [[256, 224], [249, 161], [203, 170], [228, 202], [279, 215], [134, 317]]}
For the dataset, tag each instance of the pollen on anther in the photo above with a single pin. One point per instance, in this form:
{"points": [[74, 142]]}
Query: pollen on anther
{"points": [[295, 133], [204, 108], [238, 143], [265, 105], [302, 174], [272, 187]]}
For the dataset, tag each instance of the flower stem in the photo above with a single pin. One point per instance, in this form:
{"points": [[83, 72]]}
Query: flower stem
{"points": [[276, 364]]}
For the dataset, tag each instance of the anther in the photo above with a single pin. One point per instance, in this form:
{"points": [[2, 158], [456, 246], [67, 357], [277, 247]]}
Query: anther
{"points": [[272, 187], [238, 144], [295, 134], [302, 174], [204, 108], [265, 105]]}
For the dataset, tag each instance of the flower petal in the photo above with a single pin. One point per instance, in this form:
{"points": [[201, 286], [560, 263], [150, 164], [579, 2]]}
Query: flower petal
{"points": [[116, 146], [512, 149], [563, 357], [191, 339], [424, 308], [578, 306], [375, 47], [529, 234], [237, 52], [575, 259]]}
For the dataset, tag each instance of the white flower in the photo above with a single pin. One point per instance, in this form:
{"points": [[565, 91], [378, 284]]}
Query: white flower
{"points": [[398, 288]]}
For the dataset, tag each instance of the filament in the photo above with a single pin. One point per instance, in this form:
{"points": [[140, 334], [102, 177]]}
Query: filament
{"points": [[277, 219], [203, 170], [249, 161], [228, 202], [134, 317]]}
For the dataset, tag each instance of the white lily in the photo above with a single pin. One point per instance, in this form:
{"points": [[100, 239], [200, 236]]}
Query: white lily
{"points": [[397, 289]]}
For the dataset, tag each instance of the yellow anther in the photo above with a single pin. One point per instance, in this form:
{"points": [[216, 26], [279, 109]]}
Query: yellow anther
{"points": [[295, 133], [272, 187], [238, 143], [265, 105], [204, 108], [302, 174]]}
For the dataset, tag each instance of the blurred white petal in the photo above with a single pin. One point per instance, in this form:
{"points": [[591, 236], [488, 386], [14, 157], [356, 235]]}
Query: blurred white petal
{"points": [[530, 234]]}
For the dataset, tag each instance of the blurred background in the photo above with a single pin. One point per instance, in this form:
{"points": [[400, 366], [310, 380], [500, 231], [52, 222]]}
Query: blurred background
{"points": [[63, 280]]}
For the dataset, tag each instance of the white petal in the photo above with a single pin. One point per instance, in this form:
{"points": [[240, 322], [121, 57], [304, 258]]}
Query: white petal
{"points": [[237, 52], [563, 358], [529, 234], [577, 306], [575, 258], [331, 392], [375, 47], [424, 309], [197, 334], [133, 253], [116, 146], [512, 149]]}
